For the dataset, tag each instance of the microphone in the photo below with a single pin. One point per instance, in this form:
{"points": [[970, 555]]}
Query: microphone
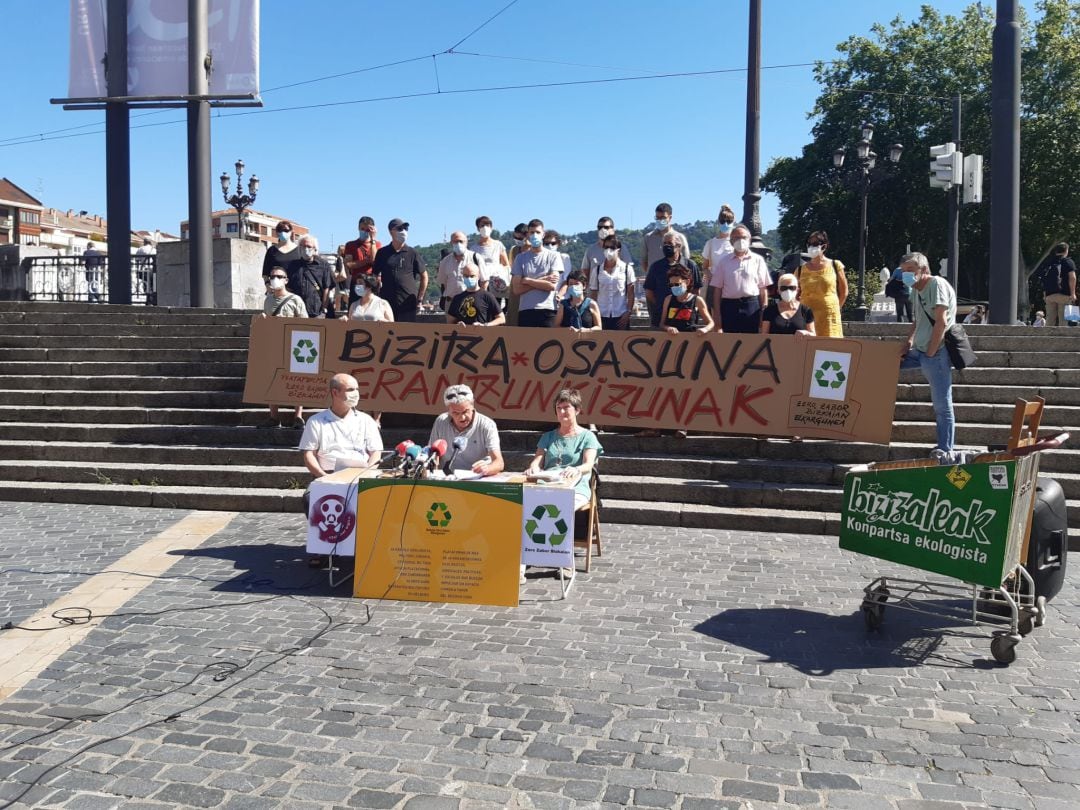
{"points": [[460, 443], [402, 454], [412, 456], [438, 450]]}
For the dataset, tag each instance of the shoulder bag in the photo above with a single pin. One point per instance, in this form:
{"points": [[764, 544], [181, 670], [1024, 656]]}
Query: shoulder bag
{"points": [[956, 341]]}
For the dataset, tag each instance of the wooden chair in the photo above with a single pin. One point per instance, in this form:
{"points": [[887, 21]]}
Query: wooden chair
{"points": [[587, 523]]}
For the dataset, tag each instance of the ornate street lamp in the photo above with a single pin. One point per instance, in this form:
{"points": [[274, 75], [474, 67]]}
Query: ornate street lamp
{"points": [[866, 163], [239, 200]]}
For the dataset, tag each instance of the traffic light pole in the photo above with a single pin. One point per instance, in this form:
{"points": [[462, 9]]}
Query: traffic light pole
{"points": [[953, 271]]}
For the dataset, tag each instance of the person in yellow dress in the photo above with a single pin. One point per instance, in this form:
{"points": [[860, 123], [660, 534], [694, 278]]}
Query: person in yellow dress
{"points": [[823, 286]]}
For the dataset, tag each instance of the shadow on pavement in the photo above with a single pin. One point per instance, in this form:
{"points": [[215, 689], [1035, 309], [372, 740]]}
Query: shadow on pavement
{"points": [[272, 568], [820, 644]]}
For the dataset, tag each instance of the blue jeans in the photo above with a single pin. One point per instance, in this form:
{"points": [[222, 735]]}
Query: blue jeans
{"points": [[938, 373]]}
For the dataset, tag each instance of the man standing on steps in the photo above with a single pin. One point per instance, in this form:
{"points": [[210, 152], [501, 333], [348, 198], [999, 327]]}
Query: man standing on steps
{"points": [[1059, 285], [402, 272], [280, 303], [935, 312], [340, 435]]}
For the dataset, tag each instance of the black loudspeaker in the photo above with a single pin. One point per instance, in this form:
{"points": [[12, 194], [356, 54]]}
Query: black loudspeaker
{"points": [[1049, 546]]}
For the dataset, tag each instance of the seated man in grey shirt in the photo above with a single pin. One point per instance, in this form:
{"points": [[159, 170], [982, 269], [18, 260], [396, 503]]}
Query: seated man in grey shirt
{"points": [[479, 435]]}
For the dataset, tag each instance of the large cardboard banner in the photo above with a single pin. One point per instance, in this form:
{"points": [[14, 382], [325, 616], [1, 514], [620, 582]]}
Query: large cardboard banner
{"points": [[967, 522], [438, 541], [759, 385]]}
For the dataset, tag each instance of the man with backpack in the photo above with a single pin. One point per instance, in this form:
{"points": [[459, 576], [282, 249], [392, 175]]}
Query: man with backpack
{"points": [[1059, 285]]}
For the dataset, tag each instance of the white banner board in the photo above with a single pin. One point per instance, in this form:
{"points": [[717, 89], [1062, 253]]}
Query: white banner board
{"points": [[547, 526], [157, 48]]}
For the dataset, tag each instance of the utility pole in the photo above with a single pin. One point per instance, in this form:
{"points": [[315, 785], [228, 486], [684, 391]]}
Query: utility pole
{"points": [[117, 154], [200, 248], [1005, 149], [751, 186], [954, 204]]}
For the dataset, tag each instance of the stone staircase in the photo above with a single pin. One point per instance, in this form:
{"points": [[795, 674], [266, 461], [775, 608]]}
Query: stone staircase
{"points": [[142, 407]]}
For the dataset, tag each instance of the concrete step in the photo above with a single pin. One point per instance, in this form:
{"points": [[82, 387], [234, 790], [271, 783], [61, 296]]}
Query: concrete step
{"points": [[155, 369], [108, 452], [1055, 417], [94, 332], [215, 476], [994, 394], [129, 382], [119, 355], [1025, 377], [112, 341], [154, 400], [163, 497], [893, 330]]}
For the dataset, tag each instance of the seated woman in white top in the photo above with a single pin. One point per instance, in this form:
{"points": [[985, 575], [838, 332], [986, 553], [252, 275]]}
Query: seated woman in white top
{"points": [[368, 306]]}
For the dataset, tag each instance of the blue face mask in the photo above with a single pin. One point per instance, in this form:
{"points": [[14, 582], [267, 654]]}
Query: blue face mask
{"points": [[469, 282], [909, 278], [576, 290], [536, 240], [283, 236], [726, 227], [678, 290]]}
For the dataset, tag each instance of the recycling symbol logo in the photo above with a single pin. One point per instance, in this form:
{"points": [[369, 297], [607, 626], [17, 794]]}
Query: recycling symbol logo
{"points": [[439, 515], [830, 375], [546, 516], [304, 351]]}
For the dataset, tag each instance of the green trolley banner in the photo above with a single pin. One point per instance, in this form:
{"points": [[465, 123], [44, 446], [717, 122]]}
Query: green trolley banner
{"points": [[967, 522]]}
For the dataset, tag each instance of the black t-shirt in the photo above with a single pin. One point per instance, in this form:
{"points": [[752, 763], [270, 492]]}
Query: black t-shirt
{"points": [[400, 272], [308, 280], [580, 316], [474, 306], [683, 315], [779, 325], [1062, 265], [275, 257]]}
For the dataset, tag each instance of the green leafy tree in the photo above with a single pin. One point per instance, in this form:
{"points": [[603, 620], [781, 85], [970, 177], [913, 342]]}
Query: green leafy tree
{"points": [[902, 79]]}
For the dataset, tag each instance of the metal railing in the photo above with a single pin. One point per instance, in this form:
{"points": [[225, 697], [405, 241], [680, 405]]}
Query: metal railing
{"points": [[86, 278]]}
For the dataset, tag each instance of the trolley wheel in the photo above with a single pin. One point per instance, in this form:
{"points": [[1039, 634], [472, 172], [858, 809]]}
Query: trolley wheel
{"points": [[1025, 624], [1003, 648], [1040, 611], [873, 615]]}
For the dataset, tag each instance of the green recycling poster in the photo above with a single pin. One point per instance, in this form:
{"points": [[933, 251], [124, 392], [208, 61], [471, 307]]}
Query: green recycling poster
{"points": [[966, 522]]}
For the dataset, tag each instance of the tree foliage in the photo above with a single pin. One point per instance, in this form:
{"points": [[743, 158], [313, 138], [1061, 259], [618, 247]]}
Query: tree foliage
{"points": [[902, 79]]}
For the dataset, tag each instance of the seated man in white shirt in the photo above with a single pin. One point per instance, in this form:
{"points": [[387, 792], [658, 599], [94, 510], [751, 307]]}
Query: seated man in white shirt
{"points": [[482, 453], [341, 436]]}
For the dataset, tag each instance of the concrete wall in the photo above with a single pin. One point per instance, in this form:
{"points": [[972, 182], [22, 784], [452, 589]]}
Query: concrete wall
{"points": [[14, 270], [238, 280]]}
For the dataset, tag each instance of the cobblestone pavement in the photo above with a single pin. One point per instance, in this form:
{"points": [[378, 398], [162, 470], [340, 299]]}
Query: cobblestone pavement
{"points": [[691, 669]]}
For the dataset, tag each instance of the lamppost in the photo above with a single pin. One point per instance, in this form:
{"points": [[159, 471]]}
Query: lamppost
{"points": [[864, 177], [239, 200]]}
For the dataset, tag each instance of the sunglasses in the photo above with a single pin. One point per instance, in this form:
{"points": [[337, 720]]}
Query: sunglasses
{"points": [[816, 244], [285, 277], [782, 289], [454, 396], [551, 244]]}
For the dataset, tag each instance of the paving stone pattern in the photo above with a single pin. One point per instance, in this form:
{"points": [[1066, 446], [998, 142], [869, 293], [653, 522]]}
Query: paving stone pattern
{"points": [[691, 669], [48, 548]]}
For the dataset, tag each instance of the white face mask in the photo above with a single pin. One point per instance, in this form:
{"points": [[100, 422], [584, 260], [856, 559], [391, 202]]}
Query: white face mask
{"points": [[788, 295], [663, 224], [604, 233], [458, 248], [352, 398], [485, 231], [359, 289], [307, 252], [611, 254], [740, 245], [277, 283], [814, 251], [401, 236]]}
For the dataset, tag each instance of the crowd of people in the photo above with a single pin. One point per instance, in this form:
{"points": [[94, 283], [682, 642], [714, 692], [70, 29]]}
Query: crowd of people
{"points": [[533, 284]]}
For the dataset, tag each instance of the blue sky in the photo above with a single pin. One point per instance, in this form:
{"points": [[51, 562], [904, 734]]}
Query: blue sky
{"points": [[565, 154]]}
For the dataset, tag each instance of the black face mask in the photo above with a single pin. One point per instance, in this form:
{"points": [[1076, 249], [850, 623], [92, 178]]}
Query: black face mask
{"points": [[669, 251]]}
